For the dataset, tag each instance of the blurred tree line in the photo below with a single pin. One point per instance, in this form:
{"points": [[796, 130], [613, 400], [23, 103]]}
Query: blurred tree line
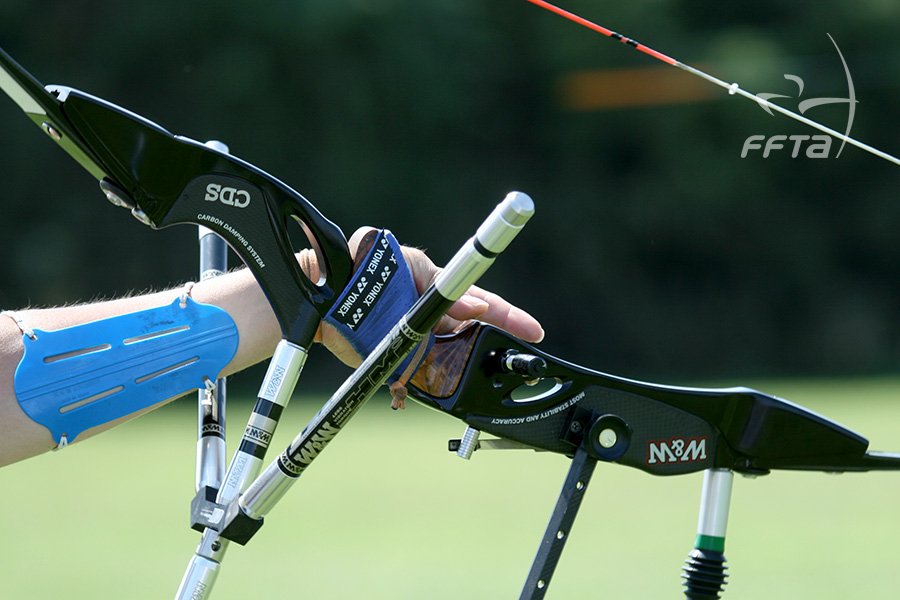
{"points": [[656, 250]]}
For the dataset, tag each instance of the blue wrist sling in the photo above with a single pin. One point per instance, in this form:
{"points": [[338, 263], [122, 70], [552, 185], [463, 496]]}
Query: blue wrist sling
{"points": [[76, 378], [379, 293]]}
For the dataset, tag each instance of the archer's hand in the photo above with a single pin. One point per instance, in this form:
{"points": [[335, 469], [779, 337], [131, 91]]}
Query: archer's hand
{"points": [[474, 304]]}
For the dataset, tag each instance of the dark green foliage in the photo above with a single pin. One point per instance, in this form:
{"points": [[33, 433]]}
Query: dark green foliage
{"points": [[655, 250]]}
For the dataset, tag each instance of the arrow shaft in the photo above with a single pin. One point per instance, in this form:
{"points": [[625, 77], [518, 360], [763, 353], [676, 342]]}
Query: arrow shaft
{"points": [[733, 88]]}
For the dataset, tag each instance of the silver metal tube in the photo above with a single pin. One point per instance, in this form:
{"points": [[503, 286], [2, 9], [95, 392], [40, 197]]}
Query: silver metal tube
{"points": [[714, 503], [211, 451], [505, 222], [283, 373], [494, 235], [468, 264], [704, 574], [277, 387], [210, 462], [203, 568], [264, 493], [261, 495], [198, 579]]}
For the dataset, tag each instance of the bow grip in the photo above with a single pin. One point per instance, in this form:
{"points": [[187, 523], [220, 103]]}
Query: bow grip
{"points": [[167, 179], [664, 430], [473, 371]]}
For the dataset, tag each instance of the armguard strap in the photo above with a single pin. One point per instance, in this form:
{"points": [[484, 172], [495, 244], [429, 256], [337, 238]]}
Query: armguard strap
{"points": [[76, 378], [379, 293]]}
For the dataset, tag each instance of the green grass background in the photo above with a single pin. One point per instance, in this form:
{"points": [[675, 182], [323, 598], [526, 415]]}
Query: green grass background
{"points": [[387, 512]]}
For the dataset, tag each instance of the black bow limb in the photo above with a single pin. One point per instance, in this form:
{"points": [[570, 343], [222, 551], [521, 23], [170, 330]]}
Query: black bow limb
{"points": [[166, 179], [663, 430]]}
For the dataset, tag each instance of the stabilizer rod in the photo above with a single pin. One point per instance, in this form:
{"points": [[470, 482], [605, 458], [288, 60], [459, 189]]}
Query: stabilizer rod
{"points": [[244, 516]]}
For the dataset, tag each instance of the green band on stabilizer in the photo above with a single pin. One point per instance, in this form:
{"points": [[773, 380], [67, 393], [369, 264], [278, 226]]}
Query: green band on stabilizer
{"points": [[709, 542]]}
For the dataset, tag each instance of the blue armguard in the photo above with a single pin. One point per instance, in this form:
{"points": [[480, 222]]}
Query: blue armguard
{"points": [[379, 293], [73, 379]]}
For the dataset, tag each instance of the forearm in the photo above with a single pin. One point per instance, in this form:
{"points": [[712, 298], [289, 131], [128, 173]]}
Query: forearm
{"points": [[237, 293]]}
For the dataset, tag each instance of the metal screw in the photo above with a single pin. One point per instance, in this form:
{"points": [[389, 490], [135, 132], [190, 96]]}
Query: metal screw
{"points": [[141, 216], [608, 438], [115, 199], [541, 584], [468, 443], [575, 426], [560, 534], [53, 133], [217, 145]]}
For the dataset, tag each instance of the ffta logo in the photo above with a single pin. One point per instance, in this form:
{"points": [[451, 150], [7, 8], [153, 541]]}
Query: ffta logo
{"points": [[819, 146]]}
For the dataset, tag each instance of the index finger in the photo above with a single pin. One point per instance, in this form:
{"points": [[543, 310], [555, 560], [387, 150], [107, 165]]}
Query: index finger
{"points": [[497, 312]]}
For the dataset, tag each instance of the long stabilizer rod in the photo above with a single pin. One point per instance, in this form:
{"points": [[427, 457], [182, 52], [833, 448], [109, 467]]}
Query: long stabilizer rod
{"points": [[245, 515]]}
